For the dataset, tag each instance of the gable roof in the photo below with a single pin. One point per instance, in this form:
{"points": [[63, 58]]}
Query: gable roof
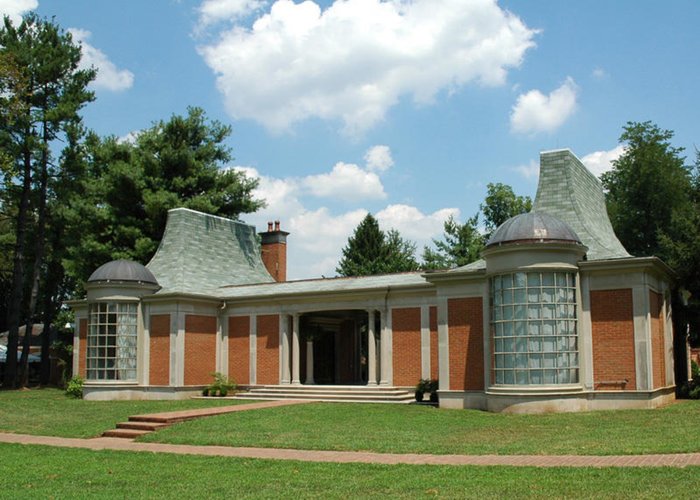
{"points": [[200, 253], [568, 191]]}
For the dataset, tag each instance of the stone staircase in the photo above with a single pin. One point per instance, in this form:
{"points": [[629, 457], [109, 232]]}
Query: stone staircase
{"points": [[330, 393]]}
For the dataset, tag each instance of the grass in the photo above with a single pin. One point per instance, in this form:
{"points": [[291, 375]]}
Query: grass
{"points": [[48, 412], [45, 472], [420, 429]]}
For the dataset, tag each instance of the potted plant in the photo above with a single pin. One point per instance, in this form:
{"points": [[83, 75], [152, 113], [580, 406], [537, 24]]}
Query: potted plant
{"points": [[427, 389], [220, 387]]}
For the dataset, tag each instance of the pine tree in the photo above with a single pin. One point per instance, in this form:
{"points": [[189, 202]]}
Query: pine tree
{"points": [[39, 96], [371, 251]]}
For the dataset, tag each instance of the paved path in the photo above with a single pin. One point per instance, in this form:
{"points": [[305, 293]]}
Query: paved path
{"points": [[677, 460], [180, 415]]}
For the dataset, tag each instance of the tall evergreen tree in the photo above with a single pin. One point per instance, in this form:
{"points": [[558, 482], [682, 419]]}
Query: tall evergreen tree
{"points": [[41, 94], [371, 251], [118, 209]]}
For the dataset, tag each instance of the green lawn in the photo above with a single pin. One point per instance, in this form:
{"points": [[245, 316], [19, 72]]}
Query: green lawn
{"points": [[49, 412], [45, 472], [420, 429]]}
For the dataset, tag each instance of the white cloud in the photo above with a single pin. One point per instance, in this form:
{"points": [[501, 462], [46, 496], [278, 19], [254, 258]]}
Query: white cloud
{"points": [[600, 162], [16, 8], [129, 137], [109, 77], [599, 73], [535, 112], [346, 181], [529, 171], [215, 11], [355, 59], [319, 235], [413, 224], [379, 158]]}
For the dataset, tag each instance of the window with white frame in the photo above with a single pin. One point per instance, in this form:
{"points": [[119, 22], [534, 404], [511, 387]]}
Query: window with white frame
{"points": [[111, 341], [533, 328]]}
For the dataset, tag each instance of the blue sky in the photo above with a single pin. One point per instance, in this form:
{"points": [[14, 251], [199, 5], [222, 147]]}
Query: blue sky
{"points": [[404, 108]]}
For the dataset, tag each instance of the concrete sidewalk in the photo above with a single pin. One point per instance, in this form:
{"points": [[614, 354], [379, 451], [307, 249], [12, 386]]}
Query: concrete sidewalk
{"points": [[671, 460]]}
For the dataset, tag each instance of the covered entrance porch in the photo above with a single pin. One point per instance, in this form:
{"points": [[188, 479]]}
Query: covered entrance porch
{"points": [[337, 348]]}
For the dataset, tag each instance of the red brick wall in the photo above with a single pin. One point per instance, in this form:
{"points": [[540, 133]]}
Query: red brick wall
{"points": [[405, 324], [434, 360], [82, 355], [159, 359], [268, 338], [612, 320], [200, 349], [274, 256], [239, 349], [658, 349], [466, 331]]}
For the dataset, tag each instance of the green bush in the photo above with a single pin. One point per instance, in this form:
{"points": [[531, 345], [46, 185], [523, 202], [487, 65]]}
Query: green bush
{"points": [[74, 388], [221, 386], [695, 370], [427, 385]]}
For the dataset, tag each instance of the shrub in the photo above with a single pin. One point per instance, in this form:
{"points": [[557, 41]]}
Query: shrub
{"points": [[427, 385], [220, 387], [74, 388], [694, 393]]}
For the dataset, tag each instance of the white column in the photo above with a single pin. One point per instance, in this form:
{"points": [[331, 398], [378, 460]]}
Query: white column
{"points": [[253, 337], [284, 349], [425, 341], [386, 353], [177, 349], [642, 337], [310, 362], [443, 346], [295, 349], [371, 350]]}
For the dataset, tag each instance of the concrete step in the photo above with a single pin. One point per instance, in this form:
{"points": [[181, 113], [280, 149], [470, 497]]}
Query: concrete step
{"points": [[359, 392], [141, 426], [318, 387], [322, 399], [352, 394], [124, 433]]}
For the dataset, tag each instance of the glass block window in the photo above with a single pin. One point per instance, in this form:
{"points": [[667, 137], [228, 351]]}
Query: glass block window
{"points": [[533, 328], [111, 341]]}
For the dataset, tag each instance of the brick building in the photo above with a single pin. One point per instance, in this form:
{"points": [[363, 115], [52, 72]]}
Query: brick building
{"points": [[556, 316]]}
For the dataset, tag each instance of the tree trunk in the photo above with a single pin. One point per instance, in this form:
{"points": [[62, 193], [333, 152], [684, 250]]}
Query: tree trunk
{"points": [[17, 294], [54, 273], [40, 237]]}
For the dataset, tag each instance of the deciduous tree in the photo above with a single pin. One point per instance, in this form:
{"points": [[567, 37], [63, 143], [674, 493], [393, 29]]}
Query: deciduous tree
{"points": [[461, 245], [652, 200]]}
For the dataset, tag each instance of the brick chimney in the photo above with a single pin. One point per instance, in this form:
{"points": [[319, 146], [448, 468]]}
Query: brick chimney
{"points": [[274, 251]]}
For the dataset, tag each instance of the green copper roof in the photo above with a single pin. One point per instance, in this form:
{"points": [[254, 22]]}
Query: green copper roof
{"points": [[568, 191], [200, 253]]}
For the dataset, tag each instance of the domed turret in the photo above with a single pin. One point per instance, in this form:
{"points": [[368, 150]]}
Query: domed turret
{"points": [[533, 227], [122, 270]]}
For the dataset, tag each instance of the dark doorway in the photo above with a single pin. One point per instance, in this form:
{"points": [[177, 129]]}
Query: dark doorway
{"points": [[339, 347]]}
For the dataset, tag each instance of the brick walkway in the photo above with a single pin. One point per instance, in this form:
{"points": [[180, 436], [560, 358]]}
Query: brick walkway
{"points": [[677, 460], [180, 415]]}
